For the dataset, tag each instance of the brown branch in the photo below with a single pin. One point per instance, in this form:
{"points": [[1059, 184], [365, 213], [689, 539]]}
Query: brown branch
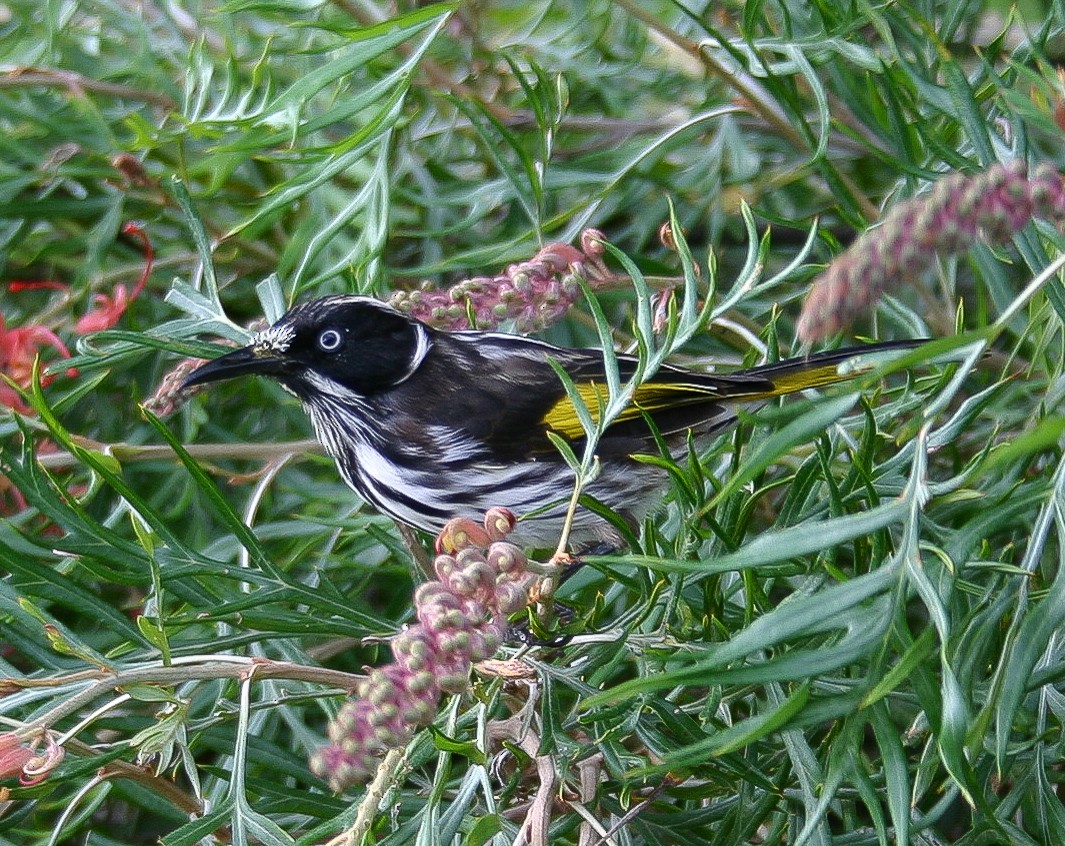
{"points": [[109, 680], [590, 770], [538, 816], [130, 453], [78, 84]]}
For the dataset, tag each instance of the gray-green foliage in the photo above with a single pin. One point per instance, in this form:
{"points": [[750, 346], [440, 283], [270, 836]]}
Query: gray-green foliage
{"points": [[846, 626]]}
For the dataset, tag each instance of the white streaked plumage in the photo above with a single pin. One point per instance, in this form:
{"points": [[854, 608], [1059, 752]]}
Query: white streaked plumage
{"points": [[427, 425]]}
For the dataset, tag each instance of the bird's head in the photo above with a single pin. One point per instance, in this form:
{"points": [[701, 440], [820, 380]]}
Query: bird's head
{"points": [[335, 346]]}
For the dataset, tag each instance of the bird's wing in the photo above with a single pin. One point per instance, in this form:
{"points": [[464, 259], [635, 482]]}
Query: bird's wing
{"points": [[518, 397], [677, 399], [674, 399]]}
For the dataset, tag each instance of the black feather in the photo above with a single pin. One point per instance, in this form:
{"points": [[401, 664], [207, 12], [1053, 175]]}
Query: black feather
{"points": [[428, 425]]}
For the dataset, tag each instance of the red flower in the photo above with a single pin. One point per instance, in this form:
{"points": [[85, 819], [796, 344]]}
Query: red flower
{"points": [[23, 759], [14, 755], [110, 308], [36, 285], [19, 347]]}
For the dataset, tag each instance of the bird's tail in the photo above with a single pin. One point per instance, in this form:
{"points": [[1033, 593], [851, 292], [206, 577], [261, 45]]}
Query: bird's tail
{"points": [[820, 369]]}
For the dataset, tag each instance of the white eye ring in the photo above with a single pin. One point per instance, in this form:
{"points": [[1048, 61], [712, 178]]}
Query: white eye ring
{"points": [[330, 340]]}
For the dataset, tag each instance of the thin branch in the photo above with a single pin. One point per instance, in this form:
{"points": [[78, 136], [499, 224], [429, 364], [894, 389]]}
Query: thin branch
{"points": [[78, 84], [534, 830], [130, 453], [178, 674]]}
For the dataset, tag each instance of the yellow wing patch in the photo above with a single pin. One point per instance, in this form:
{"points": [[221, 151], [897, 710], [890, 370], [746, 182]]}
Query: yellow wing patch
{"points": [[656, 396], [650, 397], [562, 416]]}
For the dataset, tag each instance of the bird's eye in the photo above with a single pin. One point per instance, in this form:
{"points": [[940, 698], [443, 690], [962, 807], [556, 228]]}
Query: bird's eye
{"points": [[330, 340]]}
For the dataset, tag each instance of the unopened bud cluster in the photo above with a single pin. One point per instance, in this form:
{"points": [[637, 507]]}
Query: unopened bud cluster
{"points": [[532, 294], [959, 211], [170, 394], [481, 579]]}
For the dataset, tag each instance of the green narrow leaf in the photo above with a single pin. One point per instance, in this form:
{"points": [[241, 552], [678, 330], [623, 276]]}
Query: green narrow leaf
{"points": [[896, 772], [349, 154], [967, 110], [736, 737], [953, 731], [236, 525], [199, 236], [484, 830], [781, 544], [914, 656], [466, 748], [817, 612], [606, 345], [580, 407], [199, 829], [1041, 622], [362, 47], [814, 422], [153, 632], [482, 119], [104, 469], [271, 298]]}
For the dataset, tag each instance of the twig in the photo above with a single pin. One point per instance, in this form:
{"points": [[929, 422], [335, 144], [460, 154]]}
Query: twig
{"points": [[176, 674], [589, 771], [537, 822], [76, 83], [155, 452]]}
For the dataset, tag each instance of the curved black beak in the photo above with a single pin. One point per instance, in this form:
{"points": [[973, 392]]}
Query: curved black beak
{"points": [[242, 362]]}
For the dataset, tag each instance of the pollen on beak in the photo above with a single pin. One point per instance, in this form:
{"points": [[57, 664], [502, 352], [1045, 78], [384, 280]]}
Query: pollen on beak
{"points": [[251, 360]]}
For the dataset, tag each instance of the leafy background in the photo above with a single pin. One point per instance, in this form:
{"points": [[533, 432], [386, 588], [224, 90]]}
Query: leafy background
{"points": [[845, 628]]}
